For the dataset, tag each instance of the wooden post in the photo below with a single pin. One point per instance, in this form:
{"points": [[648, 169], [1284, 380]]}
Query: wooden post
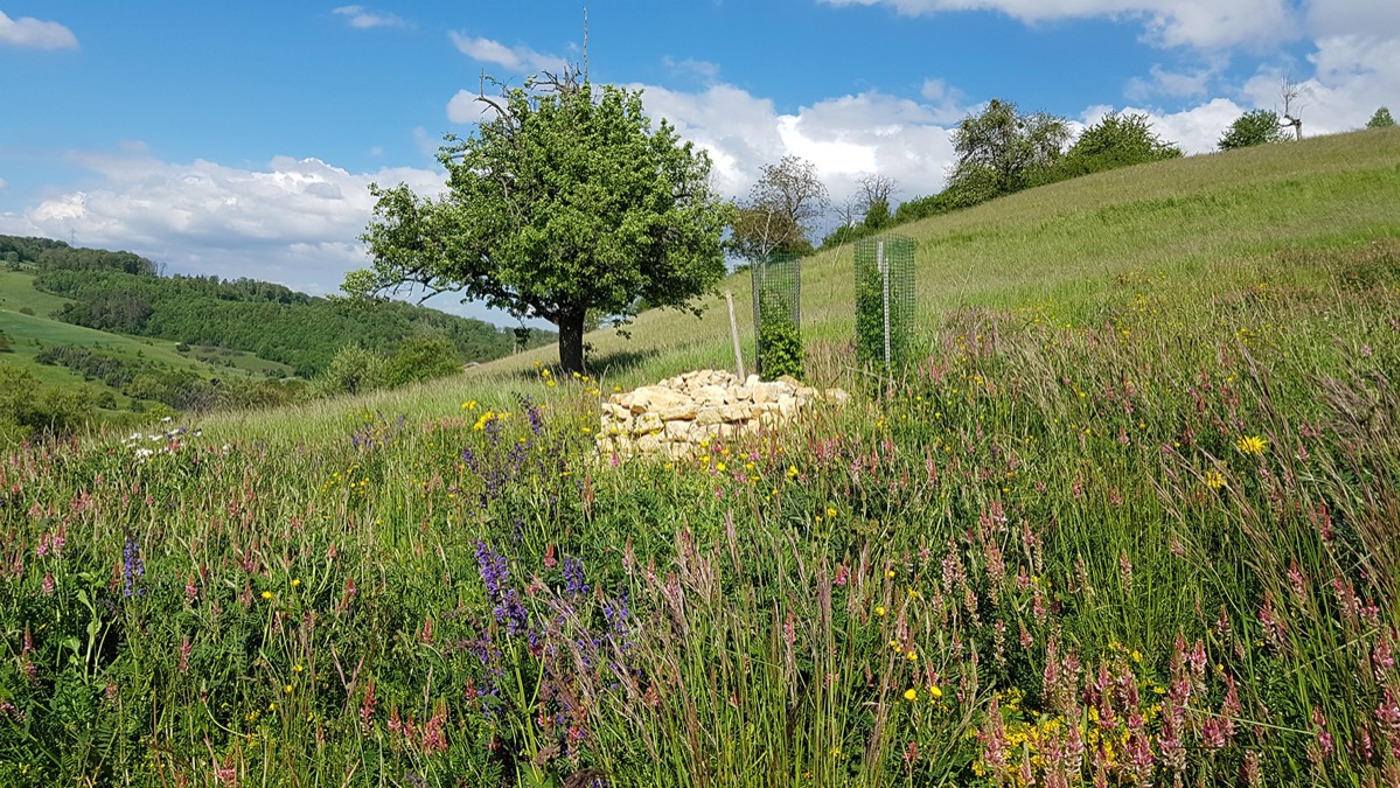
{"points": [[734, 333]]}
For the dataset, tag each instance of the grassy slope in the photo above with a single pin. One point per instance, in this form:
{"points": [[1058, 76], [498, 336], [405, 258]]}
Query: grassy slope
{"points": [[1060, 244], [32, 333]]}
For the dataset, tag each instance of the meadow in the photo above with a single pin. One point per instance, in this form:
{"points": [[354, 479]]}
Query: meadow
{"points": [[1129, 520]]}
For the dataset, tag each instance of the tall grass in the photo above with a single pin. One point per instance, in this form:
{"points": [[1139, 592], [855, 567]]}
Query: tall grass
{"points": [[1132, 527]]}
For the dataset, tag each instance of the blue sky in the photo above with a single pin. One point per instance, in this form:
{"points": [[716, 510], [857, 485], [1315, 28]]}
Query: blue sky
{"points": [[238, 139]]}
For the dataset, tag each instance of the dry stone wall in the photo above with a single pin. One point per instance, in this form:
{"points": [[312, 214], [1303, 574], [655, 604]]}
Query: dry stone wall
{"points": [[672, 418]]}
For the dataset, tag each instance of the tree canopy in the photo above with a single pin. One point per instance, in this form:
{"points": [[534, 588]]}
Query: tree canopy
{"points": [[1255, 127], [1115, 141], [1000, 150], [1381, 120], [564, 200], [780, 210]]}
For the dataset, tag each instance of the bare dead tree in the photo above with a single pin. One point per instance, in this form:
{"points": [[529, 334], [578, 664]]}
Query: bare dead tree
{"points": [[1289, 91], [876, 188], [848, 212]]}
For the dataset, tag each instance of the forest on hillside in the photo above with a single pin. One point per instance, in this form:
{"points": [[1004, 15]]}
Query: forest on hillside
{"points": [[124, 293]]}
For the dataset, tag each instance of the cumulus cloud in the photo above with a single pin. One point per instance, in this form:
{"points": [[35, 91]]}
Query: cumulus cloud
{"points": [[294, 221], [845, 137], [1204, 24], [518, 58], [30, 32], [360, 17]]}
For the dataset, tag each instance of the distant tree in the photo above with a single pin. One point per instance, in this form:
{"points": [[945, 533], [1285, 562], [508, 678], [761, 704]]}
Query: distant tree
{"points": [[1115, 141], [1002, 150], [1381, 120], [352, 370], [1289, 91], [781, 210], [565, 199], [6, 344], [1255, 127], [421, 358]]}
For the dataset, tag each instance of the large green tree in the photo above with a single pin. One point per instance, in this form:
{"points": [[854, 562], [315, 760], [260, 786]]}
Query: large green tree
{"points": [[1381, 120], [1255, 127], [1003, 150], [564, 200]]}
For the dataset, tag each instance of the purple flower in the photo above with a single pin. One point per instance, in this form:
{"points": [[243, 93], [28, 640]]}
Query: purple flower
{"points": [[133, 568], [574, 584], [492, 568]]}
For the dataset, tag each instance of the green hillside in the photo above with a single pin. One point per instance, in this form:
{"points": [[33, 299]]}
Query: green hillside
{"points": [[101, 335], [1066, 245], [1129, 519]]}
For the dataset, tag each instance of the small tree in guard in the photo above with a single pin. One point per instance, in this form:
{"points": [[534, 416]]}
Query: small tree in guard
{"points": [[777, 315], [884, 302]]}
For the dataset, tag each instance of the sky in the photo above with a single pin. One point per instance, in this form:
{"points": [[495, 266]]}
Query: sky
{"points": [[240, 139]]}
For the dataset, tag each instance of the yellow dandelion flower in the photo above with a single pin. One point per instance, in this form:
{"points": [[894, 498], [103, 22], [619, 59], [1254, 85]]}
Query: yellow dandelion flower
{"points": [[1215, 479], [1251, 445], [830, 511], [296, 581], [267, 595], [287, 689], [792, 472], [879, 610], [911, 694], [935, 691], [912, 656]]}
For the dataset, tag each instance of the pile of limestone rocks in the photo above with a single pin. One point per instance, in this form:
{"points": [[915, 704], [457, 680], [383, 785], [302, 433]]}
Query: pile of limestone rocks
{"points": [[674, 417]]}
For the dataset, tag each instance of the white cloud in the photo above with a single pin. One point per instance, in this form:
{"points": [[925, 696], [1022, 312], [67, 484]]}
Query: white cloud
{"points": [[1176, 83], [360, 17], [844, 137], [703, 70], [3, 185], [295, 221], [1342, 17], [463, 107], [30, 32], [1204, 24], [520, 58]]}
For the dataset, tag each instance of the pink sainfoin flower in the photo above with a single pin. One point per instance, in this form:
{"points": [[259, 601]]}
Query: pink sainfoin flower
{"points": [[1324, 738]]}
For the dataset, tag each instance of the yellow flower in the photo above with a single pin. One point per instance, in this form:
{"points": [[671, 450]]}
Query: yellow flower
{"points": [[1251, 445], [911, 694], [287, 689], [879, 610], [296, 581], [719, 466], [267, 595], [792, 471], [935, 691], [1215, 479], [830, 511], [889, 573], [912, 656]]}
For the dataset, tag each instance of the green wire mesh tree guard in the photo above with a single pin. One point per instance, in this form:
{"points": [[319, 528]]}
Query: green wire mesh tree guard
{"points": [[885, 301], [777, 315]]}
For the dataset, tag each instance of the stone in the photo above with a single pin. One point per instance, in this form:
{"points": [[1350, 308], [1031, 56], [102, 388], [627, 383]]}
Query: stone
{"points": [[684, 412], [679, 417], [647, 423]]}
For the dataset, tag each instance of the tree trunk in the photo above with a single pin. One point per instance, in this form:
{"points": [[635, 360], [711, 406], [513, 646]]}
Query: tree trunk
{"points": [[571, 341]]}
